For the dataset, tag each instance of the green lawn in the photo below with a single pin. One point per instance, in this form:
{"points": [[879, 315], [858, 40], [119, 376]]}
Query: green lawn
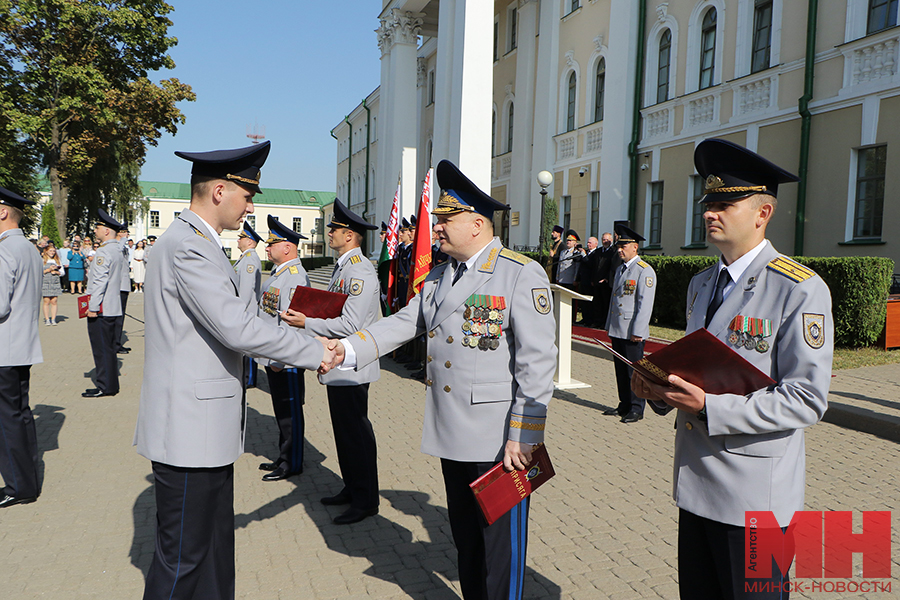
{"points": [[844, 358]]}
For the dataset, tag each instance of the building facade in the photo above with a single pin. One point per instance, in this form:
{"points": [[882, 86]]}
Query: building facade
{"points": [[612, 97]]}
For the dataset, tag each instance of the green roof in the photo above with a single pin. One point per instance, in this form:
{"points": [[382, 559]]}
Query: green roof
{"points": [[182, 191]]}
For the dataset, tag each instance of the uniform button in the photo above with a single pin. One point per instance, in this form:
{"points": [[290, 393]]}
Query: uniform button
{"points": [[430, 358], [428, 383], [431, 334], [446, 388], [689, 425], [448, 364], [450, 340]]}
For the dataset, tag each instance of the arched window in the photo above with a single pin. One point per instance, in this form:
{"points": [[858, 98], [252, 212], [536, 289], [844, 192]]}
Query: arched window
{"points": [[662, 77], [509, 131], [494, 133], [570, 110], [708, 49], [599, 90]]}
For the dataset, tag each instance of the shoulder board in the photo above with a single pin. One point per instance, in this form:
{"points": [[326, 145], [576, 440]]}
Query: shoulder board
{"points": [[294, 270], [355, 259], [198, 232], [791, 269], [642, 264], [515, 256]]}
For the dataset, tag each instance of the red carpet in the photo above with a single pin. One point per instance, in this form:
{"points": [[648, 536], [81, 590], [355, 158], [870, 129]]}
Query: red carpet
{"points": [[586, 334]]}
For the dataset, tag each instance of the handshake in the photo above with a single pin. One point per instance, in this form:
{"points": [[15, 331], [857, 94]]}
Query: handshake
{"points": [[334, 355]]}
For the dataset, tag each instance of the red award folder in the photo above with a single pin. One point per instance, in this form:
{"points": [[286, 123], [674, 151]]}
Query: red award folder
{"points": [[497, 491], [704, 360], [83, 302], [317, 304]]}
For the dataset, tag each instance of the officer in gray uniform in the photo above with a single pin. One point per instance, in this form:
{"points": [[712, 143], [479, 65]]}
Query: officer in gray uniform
{"points": [[122, 238], [628, 321], [21, 274], [286, 383], [192, 415], [105, 306], [348, 391], [249, 272], [488, 315], [745, 453]]}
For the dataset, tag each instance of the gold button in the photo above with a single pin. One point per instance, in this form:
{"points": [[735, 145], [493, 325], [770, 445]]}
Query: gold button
{"points": [[430, 358], [689, 425], [450, 340], [448, 364], [431, 334], [446, 388], [428, 382]]}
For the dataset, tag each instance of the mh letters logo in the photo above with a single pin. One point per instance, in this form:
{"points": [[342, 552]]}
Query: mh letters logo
{"points": [[823, 543]]}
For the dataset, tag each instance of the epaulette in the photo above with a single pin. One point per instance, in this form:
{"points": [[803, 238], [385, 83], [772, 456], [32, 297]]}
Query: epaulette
{"points": [[355, 259], [515, 256], [642, 264], [791, 269], [198, 232]]}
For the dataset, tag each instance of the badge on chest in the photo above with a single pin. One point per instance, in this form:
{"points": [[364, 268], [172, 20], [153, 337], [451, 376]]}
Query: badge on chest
{"points": [[750, 333], [629, 286], [270, 300], [483, 324]]}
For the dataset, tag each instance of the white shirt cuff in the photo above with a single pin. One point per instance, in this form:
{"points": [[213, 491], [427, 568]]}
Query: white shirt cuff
{"points": [[349, 363]]}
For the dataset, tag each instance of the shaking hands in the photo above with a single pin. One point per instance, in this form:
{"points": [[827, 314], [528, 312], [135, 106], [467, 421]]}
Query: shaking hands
{"points": [[334, 354]]}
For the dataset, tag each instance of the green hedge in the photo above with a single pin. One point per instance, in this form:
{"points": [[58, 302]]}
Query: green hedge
{"points": [[859, 289]]}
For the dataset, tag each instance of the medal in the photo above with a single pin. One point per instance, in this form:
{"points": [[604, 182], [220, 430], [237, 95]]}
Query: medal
{"points": [[468, 313], [467, 327], [465, 341], [733, 338], [495, 344], [762, 346], [749, 332], [483, 343]]}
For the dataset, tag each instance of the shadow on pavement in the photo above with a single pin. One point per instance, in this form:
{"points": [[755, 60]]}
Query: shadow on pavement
{"points": [[879, 401], [575, 399], [48, 421]]}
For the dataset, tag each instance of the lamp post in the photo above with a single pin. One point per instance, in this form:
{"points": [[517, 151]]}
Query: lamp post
{"points": [[544, 179], [312, 242]]}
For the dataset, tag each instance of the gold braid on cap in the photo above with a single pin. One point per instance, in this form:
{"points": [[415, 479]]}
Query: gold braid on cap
{"points": [[243, 179], [339, 224], [448, 203], [715, 185]]}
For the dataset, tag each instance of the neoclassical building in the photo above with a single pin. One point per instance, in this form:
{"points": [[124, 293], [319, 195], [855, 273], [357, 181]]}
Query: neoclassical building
{"points": [[612, 97]]}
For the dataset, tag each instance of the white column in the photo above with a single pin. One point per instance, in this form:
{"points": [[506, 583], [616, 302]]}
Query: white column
{"points": [[521, 179], [545, 106], [443, 86], [620, 72], [385, 180]]}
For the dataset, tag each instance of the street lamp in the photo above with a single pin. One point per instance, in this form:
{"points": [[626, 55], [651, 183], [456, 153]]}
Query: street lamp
{"points": [[544, 179], [312, 242]]}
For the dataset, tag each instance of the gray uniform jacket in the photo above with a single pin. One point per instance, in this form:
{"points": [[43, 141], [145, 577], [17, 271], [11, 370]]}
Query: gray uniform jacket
{"points": [[569, 264], [106, 279], [126, 265], [249, 272], [356, 277], [192, 411], [21, 276], [631, 304], [277, 294], [750, 453], [477, 399]]}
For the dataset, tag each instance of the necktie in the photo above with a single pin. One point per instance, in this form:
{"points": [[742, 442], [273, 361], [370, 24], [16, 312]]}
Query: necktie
{"points": [[719, 295], [460, 269]]}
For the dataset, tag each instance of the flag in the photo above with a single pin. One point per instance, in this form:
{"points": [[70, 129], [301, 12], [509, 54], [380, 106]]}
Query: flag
{"points": [[389, 253], [421, 263]]}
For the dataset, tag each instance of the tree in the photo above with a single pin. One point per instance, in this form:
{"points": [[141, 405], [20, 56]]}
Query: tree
{"points": [[78, 88], [48, 225]]}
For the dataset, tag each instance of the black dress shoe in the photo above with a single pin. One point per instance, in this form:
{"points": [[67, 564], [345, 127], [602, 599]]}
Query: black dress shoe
{"points": [[270, 466], [280, 473], [609, 412], [123, 351], [420, 375], [354, 515], [8, 500], [415, 365], [632, 417], [95, 393], [337, 500]]}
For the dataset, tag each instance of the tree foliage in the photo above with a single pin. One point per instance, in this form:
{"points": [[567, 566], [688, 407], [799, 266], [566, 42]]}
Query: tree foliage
{"points": [[76, 86], [48, 224]]}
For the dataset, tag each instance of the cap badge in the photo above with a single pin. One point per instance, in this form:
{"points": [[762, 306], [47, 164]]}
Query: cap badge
{"points": [[714, 182]]}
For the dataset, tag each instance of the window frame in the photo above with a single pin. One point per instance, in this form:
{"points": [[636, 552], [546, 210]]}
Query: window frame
{"points": [[892, 6], [668, 68], [655, 214], [759, 6], [877, 217], [154, 219], [512, 27], [566, 202], [594, 198], [708, 30], [510, 115], [571, 101], [599, 89], [697, 225]]}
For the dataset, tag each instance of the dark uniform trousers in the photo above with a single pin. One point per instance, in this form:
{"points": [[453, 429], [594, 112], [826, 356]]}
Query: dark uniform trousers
{"points": [[101, 332], [354, 440], [601, 293], [703, 542], [633, 351], [194, 556], [287, 388], [18, 445], [120, 323], [491, 557]]}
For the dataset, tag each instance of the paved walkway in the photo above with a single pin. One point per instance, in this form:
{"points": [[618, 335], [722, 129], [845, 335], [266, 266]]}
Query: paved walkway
{"points": [[603, 528]]}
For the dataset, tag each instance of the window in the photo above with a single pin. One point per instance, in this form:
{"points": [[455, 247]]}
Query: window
{"points": [[656, 210], [320, 225], [869, 192], [177, 212], [154, 218], [595, 214], [698, 224], [251, 221], [227, 252], [570, 110], [567, 213], [662, 77], [599, 90], [708, 49], [762, 36], [574, 5], [431, 86], [509, 132], [513, 29], [298, 225], [882, 14], [496, 41], [494, 133]]}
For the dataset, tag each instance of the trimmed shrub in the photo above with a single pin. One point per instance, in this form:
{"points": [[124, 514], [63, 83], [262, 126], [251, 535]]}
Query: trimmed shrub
{"points": [[673, 274], [48, 224]]}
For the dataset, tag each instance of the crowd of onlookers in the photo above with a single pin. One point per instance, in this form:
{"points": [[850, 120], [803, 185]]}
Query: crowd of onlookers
{"points": [[68, 269]]}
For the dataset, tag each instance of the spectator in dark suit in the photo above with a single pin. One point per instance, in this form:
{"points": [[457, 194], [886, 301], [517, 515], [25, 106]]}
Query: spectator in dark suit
{"points": [[607, 262]]}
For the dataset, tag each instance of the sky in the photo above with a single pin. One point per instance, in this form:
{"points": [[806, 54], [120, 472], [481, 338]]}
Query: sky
{"points": [[294, 67]]}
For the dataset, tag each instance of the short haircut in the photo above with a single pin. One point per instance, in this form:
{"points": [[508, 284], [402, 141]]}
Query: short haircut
{"points": [[759, 199], [16, 214], [201, 184]]}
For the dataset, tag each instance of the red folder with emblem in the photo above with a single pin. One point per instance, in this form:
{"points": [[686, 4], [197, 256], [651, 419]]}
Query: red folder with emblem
{"points": [[497, 491], [83, 302], [317, 304], [704, 360]]}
